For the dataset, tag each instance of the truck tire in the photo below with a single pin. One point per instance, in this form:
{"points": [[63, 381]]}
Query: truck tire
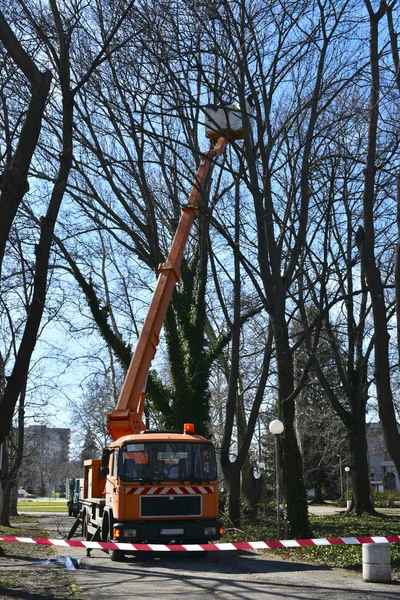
{"points": [[70, 511], [104, 528], [115, 555], [84, 525]]}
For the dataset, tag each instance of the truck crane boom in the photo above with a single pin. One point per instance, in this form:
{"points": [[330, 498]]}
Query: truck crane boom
{"points": [[126, 418], [157, 486]]}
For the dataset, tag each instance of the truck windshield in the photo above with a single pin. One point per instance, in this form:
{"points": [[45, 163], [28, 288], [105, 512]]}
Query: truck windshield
{"points": [[173, 461]]}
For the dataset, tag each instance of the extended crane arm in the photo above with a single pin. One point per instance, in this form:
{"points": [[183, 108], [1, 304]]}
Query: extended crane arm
{"points": [[127, 416]]}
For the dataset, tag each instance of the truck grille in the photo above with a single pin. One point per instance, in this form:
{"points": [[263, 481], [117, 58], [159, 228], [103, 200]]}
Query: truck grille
{"points": [[170, 506]]}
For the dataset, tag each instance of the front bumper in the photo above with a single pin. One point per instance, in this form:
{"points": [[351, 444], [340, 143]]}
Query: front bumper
{"points": [[165, 532]]}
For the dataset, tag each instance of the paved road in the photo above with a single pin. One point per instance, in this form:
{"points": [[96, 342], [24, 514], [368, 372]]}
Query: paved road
{"points": [[215, 576]]}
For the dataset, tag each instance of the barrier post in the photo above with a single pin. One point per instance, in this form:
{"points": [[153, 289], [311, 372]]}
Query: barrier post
{"points": [[376, 563]]}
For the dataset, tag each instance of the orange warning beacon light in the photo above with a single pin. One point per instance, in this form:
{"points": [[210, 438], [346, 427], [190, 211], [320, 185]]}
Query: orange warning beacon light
{"points": [[188, 428]]}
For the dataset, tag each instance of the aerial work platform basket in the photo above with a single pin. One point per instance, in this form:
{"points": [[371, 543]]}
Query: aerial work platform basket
{"points": [[225, 120]]}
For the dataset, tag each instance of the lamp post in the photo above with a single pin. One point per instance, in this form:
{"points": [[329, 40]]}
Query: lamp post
{"points": [[347, 469], [341, 480], [260, 469], [276, 428]]}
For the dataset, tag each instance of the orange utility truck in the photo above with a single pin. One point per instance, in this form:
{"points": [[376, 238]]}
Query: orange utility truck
{"points": [[158, 486]]}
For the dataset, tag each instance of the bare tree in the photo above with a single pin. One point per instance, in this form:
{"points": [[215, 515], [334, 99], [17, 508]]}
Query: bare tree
{"points": [[281, 215], [60, 27], [367, 247], [63, 29]]}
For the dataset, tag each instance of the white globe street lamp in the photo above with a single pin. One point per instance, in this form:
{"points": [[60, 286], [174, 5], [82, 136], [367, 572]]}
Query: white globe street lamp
{"points": [[276, 427]]}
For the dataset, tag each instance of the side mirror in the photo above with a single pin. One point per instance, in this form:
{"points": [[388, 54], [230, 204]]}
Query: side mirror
{"points": [[104, 461]]}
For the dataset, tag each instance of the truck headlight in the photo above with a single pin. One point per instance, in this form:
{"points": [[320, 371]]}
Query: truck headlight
{"points": [[130, 533], [210, 531]]}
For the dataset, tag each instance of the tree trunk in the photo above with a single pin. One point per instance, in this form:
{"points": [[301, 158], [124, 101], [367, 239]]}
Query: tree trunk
{"points": [[318, 499], [232, 476], [362, 500], [397, 271], [5, 503], [294, 488], [5, 488], [14, 498], [251, 489], [250, 486]]}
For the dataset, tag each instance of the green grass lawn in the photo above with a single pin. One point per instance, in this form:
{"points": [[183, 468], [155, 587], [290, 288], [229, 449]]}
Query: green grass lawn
{"points": [[60, 507]]}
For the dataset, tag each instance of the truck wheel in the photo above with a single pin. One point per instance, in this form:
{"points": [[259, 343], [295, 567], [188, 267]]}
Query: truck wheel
{"points": [[84, 525], [70, 512], [115, 555], [104, 528], [87, 537]]}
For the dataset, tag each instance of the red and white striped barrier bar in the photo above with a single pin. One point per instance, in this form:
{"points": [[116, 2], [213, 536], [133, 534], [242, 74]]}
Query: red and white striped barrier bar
{"points": [[181, 490], [268, 544]]}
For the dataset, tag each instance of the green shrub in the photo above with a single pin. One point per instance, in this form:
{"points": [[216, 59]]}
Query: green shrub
{"points": [[385, 499]]}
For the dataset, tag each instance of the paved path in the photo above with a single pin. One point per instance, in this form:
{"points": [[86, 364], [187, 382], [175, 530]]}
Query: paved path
{"points": [[324, 510]]}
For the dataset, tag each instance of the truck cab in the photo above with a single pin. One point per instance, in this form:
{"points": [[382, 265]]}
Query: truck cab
{"points": [[162, 487]]}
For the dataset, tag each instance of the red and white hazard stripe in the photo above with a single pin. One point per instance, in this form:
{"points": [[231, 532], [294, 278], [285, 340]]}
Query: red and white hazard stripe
{"points": [[181, 490], [271, 544]]}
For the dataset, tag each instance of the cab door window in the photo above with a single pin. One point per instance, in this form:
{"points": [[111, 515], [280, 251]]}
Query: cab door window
{"points": [[115, 464]]}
